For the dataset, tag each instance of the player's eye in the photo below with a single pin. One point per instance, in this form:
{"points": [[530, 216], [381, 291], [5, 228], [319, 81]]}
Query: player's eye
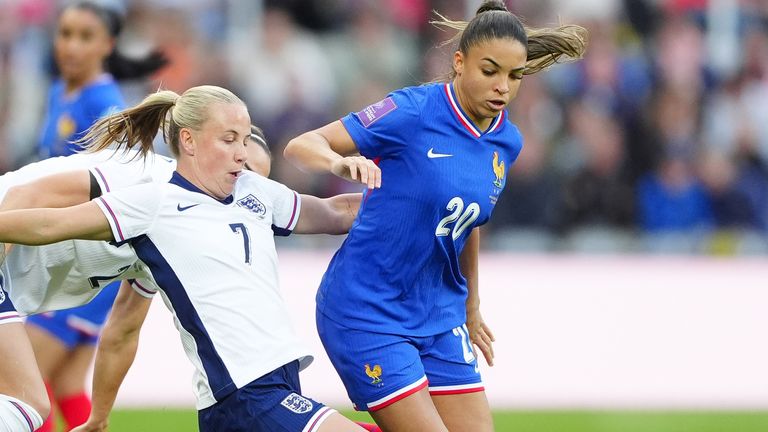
{"points": [[487, 72]]}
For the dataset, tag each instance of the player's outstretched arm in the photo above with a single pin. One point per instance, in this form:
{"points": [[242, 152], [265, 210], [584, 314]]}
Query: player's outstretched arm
{"points": [[331, 149], [53, 191], [479, 333], [44, 226], [116, 352], [332, 215]]}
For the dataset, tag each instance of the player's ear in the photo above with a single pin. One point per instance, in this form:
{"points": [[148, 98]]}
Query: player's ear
{"points": [[186, 142], [458, 62]]}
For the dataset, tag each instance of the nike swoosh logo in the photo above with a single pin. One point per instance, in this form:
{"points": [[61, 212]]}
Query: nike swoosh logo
{"points": [[180, 208], [432, 155]]}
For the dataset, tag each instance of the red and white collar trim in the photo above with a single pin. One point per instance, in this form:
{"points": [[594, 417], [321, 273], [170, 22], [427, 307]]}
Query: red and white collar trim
{"points": [[463, 118]]}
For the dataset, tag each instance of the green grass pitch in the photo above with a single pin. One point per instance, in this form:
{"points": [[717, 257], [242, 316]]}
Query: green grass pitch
{"points": [[513, 421]]}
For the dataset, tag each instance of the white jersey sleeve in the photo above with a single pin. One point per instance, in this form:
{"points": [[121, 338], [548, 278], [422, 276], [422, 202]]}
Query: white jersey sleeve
{"points": [[286, 205], [129, 169], [141, 280], [131, 211], [145, 287]]}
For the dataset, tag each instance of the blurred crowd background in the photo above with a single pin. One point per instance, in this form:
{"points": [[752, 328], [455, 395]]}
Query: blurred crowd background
{"points": [[657, 142]]}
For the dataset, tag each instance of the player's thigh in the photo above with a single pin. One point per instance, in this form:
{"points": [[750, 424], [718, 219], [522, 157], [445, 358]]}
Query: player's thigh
{"points": [[377, 369], [338, 423], [455, 382], [465, 412], [19, 375], [51, 341], [414, 413], [69, 378]]}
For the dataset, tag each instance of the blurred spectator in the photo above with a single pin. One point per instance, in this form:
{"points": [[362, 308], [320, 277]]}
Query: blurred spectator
{"points": [[288, 68], [672, 198], [598, 193], [732, 205], [373, 50]]}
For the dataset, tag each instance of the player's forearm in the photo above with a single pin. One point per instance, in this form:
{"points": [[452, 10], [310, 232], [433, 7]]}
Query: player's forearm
{"points": [[468, 262], [113, 360], [45, 226], [31, 227], [311, 152], [345, 208]]}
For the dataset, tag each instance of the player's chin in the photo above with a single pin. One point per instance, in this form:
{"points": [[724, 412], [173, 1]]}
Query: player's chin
{"points": [[227, 187]]}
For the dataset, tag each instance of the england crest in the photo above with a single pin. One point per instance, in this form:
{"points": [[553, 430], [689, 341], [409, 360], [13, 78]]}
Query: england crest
{"points": [[253, 204], [297, 403]]}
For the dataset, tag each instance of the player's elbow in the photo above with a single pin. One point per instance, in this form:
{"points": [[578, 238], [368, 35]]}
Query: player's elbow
{"points": [[292, 150], [20, 197], [119, 334]]}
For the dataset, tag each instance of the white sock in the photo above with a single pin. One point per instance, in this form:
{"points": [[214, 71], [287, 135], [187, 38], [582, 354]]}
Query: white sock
{"points": [[18, 416]]}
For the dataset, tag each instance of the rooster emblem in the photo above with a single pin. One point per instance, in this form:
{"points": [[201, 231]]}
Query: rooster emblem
{"points": [[498, 169], [374, 373]]}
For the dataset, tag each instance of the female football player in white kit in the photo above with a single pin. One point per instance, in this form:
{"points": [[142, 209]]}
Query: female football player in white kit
{"points": [[57, 276], [207, 239], [69, 273]]}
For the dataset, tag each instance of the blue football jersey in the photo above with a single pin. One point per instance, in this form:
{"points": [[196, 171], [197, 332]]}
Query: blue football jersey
{"points": [[69, 115], [398, 270]]}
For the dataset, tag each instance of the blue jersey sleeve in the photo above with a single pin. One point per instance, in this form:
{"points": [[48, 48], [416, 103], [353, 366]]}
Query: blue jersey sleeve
{"points": [[384, 128]]}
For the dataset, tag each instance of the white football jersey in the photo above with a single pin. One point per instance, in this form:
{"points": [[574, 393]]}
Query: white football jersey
{"points": [[71, 273], [216, 266]]}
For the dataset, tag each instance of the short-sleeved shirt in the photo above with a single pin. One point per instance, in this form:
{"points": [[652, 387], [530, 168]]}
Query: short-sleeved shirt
{"points": [[398, 270], [216, 266], [69, 115], [70, 273]]}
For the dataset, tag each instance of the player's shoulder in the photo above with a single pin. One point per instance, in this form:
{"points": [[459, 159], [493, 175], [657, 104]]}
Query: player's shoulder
{"points": [[103, 92], [251, 183], [416, 96], [57, 87], [510, 132], [251, 180], [400, 106]]}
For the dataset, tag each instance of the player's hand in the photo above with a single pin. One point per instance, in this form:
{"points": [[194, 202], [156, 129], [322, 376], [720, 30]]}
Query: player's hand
{"points": [[91, 426], [358, 169], [480, 335]]}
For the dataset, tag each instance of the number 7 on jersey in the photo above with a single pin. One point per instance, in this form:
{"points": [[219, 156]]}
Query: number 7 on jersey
{"points": [[242, 229]]}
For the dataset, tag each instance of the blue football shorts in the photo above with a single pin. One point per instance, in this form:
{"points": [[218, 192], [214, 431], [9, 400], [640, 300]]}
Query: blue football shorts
{"points": [[80, 325], [271, 403], [378, 369]]}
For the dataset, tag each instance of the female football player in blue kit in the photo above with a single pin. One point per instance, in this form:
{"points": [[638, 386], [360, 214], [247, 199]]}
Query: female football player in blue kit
{"points": [[86, 90], [398, 307], [207, 238]]}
